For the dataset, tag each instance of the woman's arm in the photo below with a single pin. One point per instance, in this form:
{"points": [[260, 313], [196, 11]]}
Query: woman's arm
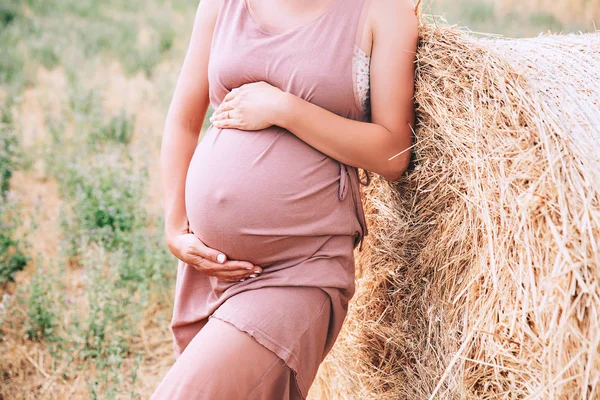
{"points": [[362, 144], [181, 132], [382, 145], [185, 117]]}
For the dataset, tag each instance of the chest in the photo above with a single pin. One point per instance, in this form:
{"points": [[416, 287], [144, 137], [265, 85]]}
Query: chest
{"points": [[323, 66]]}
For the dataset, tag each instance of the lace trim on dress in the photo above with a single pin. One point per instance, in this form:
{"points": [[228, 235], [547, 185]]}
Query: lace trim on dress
{"points": [[361, 62]]}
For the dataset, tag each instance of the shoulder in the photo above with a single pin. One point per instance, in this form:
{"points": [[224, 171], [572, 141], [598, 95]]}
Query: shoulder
{"points": [[208, 10], [390, 18], [212, 5], [205, 20]]}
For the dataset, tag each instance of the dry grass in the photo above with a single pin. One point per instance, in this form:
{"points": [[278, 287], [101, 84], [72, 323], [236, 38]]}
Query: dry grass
{"points": [[482, 274]]}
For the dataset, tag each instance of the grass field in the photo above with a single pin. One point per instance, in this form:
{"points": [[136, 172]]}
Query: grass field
{"points": [[85, 278]]}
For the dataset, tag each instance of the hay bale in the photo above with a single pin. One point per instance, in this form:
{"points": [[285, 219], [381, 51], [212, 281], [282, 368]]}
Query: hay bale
{"points": [[481, 274]]}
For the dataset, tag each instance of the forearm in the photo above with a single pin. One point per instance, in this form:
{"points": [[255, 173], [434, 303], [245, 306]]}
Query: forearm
{"points": [[361, 144], [177, 149]]}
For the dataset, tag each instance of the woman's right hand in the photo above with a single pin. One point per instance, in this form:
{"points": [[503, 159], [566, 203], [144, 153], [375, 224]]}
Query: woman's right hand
{"points": [[191, 250]]}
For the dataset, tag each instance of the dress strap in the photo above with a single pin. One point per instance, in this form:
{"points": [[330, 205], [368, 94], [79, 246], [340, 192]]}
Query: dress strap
{"points": [[362, 19]]}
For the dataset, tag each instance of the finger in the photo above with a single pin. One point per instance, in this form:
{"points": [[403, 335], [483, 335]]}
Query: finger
{"points": [[225, 105], [212, 268], [226, 275], [204, 264], [199, 249], [221, 115], [231, 94], [234, 276], [246, 265], [229, 113], [228, 123], [233, 266]]}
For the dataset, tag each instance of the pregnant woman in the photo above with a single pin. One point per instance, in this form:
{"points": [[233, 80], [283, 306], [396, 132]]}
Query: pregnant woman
{"points": [[265, 212]]}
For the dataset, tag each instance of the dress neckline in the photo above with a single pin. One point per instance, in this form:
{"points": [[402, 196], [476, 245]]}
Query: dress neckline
{"points": [[273, 32]]}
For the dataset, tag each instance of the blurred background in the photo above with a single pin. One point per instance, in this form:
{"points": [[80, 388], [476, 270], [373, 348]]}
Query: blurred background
{"points": [[518, 18], [86, 282]]}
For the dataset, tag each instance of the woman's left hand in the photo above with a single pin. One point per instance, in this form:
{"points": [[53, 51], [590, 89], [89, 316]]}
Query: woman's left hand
{"points": [[249, 107]]}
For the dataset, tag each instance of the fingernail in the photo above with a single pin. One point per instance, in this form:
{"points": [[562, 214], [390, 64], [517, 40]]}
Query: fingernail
{"points": [[252, 276], [221, 258], [248, 267], [257, 271], [242, 280]]}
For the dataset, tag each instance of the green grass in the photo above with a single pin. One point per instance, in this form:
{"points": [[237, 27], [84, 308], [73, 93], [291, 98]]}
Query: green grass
{"points": [[12, 257], [65, 33], [116, 128], [43, 311], [105, 196]]}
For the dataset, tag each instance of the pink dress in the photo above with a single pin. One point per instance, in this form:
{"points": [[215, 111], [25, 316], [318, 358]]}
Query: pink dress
{"points": [[269, 198]]}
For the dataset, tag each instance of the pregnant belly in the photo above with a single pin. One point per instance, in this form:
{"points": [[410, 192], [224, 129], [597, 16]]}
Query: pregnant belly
{"points": [[264, 196]]}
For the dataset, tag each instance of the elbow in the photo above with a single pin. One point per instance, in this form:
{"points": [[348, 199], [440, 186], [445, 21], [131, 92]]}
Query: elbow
{"points": [[394, 176], [396, 168], [396, 163]]}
